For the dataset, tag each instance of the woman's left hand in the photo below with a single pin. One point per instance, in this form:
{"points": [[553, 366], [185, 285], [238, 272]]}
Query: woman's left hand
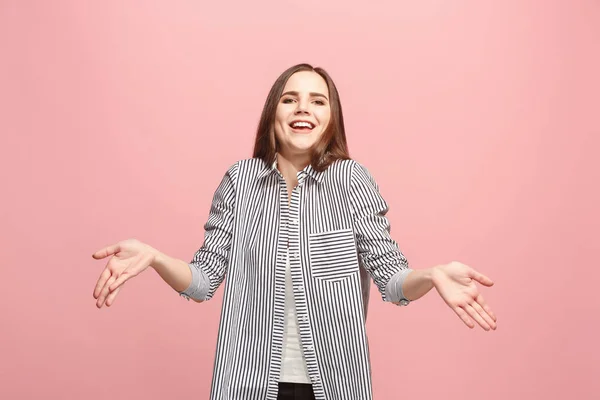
{"points": [[455, 282]]}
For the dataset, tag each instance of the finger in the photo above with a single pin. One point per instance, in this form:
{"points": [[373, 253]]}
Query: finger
{"points": [[479, 299], [465, 318], [479, 277], [104, 292], [131, 271], [124, 277], [487, 318], [111, 297], [475, 315], [107, 251], [101, 282]]}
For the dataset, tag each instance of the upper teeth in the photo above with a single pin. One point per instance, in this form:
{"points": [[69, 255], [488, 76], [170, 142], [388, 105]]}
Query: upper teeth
{"points": [[301, 124]]}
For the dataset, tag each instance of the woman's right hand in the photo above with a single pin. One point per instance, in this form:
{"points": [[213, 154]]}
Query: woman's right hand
{"points": [[129, 258]]}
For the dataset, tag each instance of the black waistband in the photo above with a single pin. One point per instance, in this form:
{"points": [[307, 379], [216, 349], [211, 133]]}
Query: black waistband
{"points": [[295, 391]]}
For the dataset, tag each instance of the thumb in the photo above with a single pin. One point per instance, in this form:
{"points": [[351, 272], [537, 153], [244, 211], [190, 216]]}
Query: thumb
{"points": [[107, 251], [479, 277]]}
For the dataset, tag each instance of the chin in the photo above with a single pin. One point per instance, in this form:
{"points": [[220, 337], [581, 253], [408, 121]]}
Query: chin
{"points": [[301, 147]]}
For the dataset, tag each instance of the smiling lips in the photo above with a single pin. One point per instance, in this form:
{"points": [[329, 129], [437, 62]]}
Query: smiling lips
{"points": [[302, 126]]}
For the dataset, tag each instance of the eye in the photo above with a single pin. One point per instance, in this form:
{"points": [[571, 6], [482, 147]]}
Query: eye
{"points": [[320, 102], [287, 100]]}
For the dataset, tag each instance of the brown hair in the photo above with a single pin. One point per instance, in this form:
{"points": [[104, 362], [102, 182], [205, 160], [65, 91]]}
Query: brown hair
{"points": [[330, 147]]}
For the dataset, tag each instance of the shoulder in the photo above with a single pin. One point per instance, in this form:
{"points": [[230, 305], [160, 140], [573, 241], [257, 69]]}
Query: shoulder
{"points": [[350, 175], [246, 168], [361, 178], [342, 168], [352, 169]]}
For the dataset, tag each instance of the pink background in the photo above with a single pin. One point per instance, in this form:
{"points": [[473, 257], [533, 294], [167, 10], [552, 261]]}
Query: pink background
{"points": [[479, 120]]}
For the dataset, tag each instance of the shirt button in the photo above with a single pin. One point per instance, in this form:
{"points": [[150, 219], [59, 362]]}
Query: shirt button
{"points": [[404, 302], [294, 221], [295, 255]]}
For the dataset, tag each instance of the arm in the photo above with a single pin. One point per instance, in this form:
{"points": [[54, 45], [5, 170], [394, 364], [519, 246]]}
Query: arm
{"points": [[417, 283], [178, 274], [207, 270], [455, 283], [377, 252], [200, 278]]}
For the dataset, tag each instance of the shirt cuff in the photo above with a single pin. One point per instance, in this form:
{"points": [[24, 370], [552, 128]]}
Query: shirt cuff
{"points": [[393, 290], [198, 289]]}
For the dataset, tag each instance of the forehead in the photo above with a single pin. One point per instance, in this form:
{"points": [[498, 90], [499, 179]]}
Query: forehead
{"points": [[306, 81]]}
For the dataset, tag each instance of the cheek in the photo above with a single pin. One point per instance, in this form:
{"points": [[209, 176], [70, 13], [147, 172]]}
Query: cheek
{"points": [[324, 119], [279, 120], [278, 112], [277, 130]]}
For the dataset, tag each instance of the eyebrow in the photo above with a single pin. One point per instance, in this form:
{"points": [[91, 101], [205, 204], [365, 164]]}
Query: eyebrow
{"points": [[313, 94]]}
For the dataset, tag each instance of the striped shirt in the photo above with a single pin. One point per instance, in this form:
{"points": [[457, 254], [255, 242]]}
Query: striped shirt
{"points": [[338, 239]]}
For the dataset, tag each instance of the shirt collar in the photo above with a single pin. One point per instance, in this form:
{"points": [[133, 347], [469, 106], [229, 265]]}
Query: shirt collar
{"points": [[270, 168]]}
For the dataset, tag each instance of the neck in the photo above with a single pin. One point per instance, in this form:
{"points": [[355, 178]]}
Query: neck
{"points": [[298, 162], [289, 166]]}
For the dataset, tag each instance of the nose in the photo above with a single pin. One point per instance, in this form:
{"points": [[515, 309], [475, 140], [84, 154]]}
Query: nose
{"points": [[301, 108]]}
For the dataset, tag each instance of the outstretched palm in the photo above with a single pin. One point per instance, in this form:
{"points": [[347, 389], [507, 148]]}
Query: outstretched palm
{"points": [[129, 258], [455, 282]]}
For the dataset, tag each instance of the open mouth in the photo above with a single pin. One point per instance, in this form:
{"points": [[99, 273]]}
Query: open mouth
{"points": [[302, 126]]}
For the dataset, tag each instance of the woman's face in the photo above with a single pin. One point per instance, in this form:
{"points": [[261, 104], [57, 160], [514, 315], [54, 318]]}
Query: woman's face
{"points": [[302, 114]]}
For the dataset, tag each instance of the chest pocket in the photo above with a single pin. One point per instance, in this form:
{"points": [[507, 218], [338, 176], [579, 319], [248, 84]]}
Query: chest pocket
{"points": [[332, 255]]}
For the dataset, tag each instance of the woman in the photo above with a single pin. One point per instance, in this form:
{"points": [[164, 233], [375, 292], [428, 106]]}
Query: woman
{"points": [[300, 229]]}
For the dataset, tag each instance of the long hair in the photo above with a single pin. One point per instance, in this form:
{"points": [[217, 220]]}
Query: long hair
{"points": [[332, 144]]}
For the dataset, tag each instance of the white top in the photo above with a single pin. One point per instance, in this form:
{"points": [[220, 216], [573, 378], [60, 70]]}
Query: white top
{"points": [[293, 365]]}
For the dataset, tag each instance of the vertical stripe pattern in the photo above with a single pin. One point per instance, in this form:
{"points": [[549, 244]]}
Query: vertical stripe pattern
{"points": [[338, 239]]}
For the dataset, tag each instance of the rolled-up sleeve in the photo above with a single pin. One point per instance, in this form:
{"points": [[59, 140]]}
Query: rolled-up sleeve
{"points": [[378, 253], [209, 264]]}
